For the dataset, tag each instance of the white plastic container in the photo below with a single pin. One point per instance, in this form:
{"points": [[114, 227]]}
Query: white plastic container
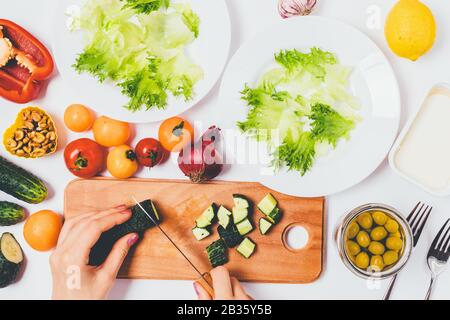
{"points": [[421, 154]]}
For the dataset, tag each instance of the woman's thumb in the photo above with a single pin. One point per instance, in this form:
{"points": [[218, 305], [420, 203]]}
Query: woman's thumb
{"points": [[118, 254]]}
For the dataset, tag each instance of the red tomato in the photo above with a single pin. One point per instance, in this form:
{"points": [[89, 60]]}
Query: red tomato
{"points": [[85, 158], [149, 152]]}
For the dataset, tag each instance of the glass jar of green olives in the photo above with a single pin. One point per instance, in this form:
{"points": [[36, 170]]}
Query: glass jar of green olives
{"points": [[374, 240]]}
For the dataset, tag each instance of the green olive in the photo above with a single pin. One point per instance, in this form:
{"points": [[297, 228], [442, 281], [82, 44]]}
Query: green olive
{"points": [[362, 260], [391, 226], [397, 234], [352, 230], [376, 248], [378, 233], [379, 217], [353, 248], [390, 257], [363, 239], [394, 243], [376, 263], [365, 220]]}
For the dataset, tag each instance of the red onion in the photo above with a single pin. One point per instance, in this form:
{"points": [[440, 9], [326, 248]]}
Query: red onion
{"points": [[289, 8], [202, 161]]}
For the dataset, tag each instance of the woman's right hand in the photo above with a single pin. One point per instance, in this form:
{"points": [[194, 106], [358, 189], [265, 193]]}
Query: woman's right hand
{"points": [[225, 287]]}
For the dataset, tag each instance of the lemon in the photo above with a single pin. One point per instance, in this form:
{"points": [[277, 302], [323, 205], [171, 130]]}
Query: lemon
{"points": [[410, 29]]}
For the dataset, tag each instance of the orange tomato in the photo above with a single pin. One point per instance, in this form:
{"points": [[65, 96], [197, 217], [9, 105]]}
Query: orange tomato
{"points": [[175, 133], [78, 118], [122, 162], [110, 133], [41, 230]]}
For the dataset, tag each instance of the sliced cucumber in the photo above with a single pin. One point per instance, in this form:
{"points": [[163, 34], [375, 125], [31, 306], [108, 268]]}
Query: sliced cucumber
{"points": [[200, 233], [246, 248], [230, 235], [274, 216], [210, 212], [264, 225], [240, 201], [202, 222], [223, 216], [217, 253], [267, 204], [239, 214], [244, 227]]}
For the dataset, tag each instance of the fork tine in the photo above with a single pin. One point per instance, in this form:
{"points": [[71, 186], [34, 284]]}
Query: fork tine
{"points": [[418, 217], [438, 236], [421, 223], [441, 246], [410, 216]]}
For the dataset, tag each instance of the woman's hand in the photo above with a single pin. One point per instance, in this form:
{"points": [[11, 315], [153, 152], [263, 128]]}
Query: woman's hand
{"points": [[225, 287], [73, 278]]}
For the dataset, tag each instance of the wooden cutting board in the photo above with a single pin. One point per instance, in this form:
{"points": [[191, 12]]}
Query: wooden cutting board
{"points": [[180, 203]]}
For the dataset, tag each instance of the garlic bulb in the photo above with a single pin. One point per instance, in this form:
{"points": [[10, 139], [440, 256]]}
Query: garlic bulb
{"points": [[289, 8]]}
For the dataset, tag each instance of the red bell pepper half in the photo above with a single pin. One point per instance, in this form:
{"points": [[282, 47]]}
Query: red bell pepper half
{"points": [[24, 63]]}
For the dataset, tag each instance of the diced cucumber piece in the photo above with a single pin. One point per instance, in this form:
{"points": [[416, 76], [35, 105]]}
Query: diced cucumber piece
{"points": [[244, 227], [230, 235], [246, 248], [264, 225], [210, 212], [223, 216], [202, 221], [239, 214], [240, 201], [274, 216], [200, 233], [217, 253], [267, 204]]}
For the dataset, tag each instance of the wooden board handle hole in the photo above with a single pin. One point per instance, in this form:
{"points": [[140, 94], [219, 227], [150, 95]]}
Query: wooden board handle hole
{"points": [[295, 237]]}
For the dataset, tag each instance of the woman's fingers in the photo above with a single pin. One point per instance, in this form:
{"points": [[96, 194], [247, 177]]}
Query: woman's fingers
{"points": [[84, 236], [202, 294], [114, 261], [239, 292], [222, 283], [71, 223]]}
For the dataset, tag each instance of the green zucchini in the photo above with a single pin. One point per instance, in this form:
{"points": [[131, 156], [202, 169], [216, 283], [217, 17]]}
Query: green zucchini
{"points": [[11, 258], [274, 216], [267, 204], [207, 217], [138, 223], [223, 215], [10, 213], [244, 227], [230, 235], [20, 183], [239, 214], [246, 248], [202, 222], [264, 225], [217, 253], [200, 233], [240, 201]]}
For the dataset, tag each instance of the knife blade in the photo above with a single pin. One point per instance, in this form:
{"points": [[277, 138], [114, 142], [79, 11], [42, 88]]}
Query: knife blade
{"points": [[204, 278]]}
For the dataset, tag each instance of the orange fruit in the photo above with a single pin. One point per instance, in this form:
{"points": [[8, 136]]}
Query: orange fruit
{"points": [[41, 230], [110, 133], [175, 133], [78, 118]]}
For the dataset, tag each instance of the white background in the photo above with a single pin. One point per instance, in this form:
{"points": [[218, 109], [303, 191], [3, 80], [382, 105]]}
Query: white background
{"points": [[248, 18]]}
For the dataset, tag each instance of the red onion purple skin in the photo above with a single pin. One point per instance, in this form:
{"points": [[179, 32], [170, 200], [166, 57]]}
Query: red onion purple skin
{"points": [[202, 160], [290, 8]]}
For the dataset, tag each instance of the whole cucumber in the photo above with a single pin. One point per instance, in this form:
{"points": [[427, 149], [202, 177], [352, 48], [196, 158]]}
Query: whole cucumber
{"points": [[10, 213], [20, 183]]}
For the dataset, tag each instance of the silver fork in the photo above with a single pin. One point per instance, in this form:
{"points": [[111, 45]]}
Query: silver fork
{"points": [[416, 220], [438, 255]]}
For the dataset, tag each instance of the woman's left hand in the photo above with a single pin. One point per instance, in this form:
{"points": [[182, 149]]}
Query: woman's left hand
{"points": [[73, 278]]}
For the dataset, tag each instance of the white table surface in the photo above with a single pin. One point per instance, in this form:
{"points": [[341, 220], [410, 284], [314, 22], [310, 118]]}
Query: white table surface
{"points": [[249, 17]]}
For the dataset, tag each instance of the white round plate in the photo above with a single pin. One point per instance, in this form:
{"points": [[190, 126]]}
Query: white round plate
{"points": [[210, 50], [372, 82]]}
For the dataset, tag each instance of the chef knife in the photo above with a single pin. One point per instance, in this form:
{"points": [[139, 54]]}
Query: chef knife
{"points": [[204, 279]]}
